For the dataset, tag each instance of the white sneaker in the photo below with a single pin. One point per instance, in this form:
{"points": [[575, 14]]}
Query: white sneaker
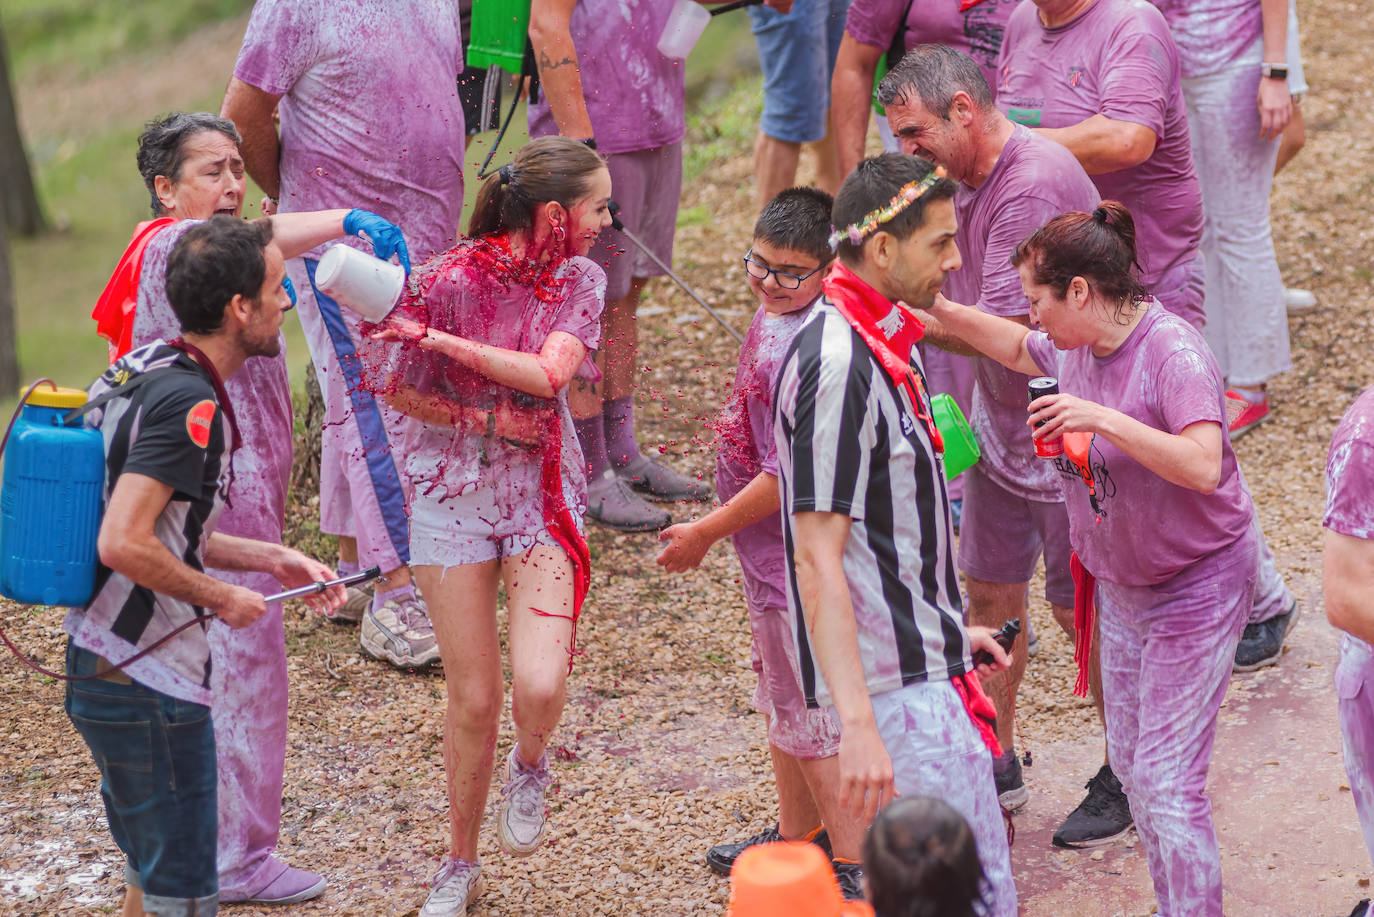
{"points": [[523, 819], [455, 886], [400, 633], [352, 610], [1298, 300]]}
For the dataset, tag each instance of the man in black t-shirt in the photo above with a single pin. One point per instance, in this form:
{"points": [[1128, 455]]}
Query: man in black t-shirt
{"points": [[169, 468]]}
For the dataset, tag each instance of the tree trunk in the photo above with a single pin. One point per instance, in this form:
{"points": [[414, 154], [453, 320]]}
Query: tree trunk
{"points": [[18, 198], [9, 355]]}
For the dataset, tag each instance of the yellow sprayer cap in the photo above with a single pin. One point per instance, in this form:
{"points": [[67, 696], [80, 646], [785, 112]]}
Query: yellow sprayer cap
{"points": [[57, 398]]}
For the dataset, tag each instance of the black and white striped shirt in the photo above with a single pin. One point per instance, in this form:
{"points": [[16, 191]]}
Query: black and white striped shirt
{"points": [[171, 429], [849, 442]]}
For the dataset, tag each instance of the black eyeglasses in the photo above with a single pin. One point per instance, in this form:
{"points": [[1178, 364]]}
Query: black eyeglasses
{"points": [[786, 279]]}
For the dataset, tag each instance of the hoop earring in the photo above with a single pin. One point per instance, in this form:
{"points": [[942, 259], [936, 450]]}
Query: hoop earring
{"points": [[559, 232]]}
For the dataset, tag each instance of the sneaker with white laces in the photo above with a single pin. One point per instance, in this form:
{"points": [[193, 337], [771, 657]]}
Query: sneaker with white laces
{"points": [[456, 885], [400, 633], [523, 818]]}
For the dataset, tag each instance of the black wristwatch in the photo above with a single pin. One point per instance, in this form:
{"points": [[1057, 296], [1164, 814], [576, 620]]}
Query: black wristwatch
{"points": [[1274, 71]]}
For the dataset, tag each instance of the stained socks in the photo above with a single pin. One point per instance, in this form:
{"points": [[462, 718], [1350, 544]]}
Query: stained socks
{"points": [[618, 415], [591, 433], [380, 598]]}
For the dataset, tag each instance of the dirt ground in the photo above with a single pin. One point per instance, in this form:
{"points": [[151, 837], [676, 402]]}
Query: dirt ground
{"points": [[660, 756]]}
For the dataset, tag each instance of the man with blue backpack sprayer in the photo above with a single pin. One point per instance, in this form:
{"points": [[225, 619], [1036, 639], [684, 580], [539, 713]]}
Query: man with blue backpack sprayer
{"points": [[169, 471]]}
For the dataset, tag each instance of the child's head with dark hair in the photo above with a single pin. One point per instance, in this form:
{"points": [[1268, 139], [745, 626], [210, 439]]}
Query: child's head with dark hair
{"points": [[921, 860], [791, 250]]}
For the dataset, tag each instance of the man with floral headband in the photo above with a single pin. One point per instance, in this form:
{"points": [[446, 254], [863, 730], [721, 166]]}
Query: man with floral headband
{"points": [[874, 593]]}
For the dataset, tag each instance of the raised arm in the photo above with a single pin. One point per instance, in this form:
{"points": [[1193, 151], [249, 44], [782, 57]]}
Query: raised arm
{"points": [[961, 328], [251, 110], [851, 89], [559, 75]]}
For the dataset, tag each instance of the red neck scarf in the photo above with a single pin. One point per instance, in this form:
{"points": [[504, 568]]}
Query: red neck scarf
{"points": [[890, 333], [114, 310]]}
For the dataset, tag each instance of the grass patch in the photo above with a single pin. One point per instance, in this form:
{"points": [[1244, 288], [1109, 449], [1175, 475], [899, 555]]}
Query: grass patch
{"points": [[723, 128], [79, 37]]}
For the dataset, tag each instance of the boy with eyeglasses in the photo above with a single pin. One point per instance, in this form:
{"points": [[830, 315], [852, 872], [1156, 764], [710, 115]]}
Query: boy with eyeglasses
{"points": [[785, 266]]}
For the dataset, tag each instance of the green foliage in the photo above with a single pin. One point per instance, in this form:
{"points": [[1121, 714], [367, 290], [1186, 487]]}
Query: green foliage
{"points": [[81, 36]]}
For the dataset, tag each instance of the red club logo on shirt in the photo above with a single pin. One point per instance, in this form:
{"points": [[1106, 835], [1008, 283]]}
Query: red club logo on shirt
{"points": [[198, 421]]}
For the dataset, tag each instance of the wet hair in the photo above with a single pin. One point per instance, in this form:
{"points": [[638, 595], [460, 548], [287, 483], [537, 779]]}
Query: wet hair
{"points": [[872, 185], [934, 73], [547, 169], [162, 146], [921, 860], [1097, 246], [213, 262], [798, 219]]}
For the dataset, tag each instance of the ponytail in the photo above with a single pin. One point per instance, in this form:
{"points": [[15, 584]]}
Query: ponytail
{"points": [[1097, 246], [547, 169]]}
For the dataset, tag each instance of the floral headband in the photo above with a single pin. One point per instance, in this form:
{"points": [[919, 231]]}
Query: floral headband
{"points": [[909, 194]]}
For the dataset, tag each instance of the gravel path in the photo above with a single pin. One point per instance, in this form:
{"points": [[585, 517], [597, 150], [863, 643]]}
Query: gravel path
{"points": [[660, 755]]}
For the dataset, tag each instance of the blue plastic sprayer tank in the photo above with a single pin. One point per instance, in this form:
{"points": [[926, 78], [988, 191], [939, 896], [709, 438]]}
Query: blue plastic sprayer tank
{"points": [[50, 503]]}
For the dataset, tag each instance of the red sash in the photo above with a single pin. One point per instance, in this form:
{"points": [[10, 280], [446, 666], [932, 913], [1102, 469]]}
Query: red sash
{"points": [[114, 310]]}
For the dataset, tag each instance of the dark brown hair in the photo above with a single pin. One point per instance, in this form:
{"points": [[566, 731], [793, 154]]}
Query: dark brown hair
{"points": [[547, 169], [1097, 246], [921, 860], [872, 185]]}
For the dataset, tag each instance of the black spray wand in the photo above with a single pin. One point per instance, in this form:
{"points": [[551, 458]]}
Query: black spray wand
{"points": [[615, 221]]}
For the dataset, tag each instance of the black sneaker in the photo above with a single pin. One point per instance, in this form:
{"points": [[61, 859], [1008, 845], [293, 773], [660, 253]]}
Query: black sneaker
{"points": [[851, 879], [1011, 788], [1261, 644], [721, 858], [1361, 909], [1102, 816]]}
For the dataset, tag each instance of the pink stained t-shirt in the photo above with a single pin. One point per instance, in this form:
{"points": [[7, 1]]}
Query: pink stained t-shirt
{"points": [[1149, 530], [370, 115], [1116, 59], [260, 394], [636, 97], [977, 31], [747, 448], [452, 293], [1034, 181], [1211, 33], [1350, 472]]}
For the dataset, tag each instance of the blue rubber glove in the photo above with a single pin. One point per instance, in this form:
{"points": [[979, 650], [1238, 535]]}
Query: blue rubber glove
{"points": [[385, 236], [290, 289]]}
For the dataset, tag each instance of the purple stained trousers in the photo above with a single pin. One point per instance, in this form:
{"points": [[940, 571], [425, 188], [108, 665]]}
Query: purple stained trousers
{"points": [[1167, 652], [1355, 699]]}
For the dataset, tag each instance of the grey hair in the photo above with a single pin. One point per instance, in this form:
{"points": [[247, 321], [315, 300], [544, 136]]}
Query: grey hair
{"points": [[162, 146], [935, 73]]}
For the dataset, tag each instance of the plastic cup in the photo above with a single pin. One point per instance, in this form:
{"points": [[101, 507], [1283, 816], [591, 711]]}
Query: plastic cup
{"points": [[961, 448], [368, 285], [686, 22]]}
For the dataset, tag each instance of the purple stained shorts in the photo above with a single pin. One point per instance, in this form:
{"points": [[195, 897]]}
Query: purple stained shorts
{"points": [[647, 185], [803, 733], [1002, 536]]}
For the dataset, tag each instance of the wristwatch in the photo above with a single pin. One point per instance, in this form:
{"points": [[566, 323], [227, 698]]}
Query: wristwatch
{"points": [[1274, 71]]}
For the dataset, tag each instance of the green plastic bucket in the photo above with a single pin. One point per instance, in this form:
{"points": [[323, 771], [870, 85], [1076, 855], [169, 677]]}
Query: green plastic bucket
{"points": [[500, 31], [961, 447]]}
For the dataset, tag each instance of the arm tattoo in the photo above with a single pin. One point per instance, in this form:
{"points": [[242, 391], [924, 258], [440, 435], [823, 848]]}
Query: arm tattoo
{"points": [[548, 63]]}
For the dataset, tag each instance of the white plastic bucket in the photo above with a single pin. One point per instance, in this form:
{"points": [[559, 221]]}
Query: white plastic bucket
{"points": [[685, 24], [366, 284]]}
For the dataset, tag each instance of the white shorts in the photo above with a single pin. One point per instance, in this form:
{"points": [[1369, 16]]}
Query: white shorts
{"points": [[467, 529]]}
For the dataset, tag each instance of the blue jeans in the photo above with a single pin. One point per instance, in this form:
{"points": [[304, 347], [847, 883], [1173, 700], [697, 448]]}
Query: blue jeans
{"points": [[156, 756], [797, 52]]}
